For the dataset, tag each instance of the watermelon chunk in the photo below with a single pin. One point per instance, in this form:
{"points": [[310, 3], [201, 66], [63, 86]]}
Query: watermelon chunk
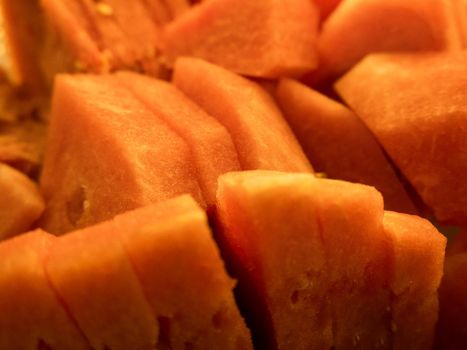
{"points": [[211, 145], [21, 203], [359, 27], [451, 330], [389, 93], [259, 131], [418, 267], [31, 315], [268, 38], [311, 257], [182, 274], [90, 271], [106, 154], [338, 143]]}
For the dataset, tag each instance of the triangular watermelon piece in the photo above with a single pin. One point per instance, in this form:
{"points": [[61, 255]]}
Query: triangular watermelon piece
{"points": [[424, 136], [21, 203], [106, 154], [360, 27], [451, 330], [311, 257], [418, 267], [182, 274], [339, 144], [259, 131], [210, 143], [31, 315], [267, 38], [90, 271]]}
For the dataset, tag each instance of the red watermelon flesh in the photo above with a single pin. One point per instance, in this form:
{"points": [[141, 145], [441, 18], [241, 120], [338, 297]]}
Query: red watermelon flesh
{"points": [[389, 93], [21, 203], [320, 275], [268, 38], [30, 312], [106, 154], [259, 131], [182, 274], [418, 267], [339, 144], [72, 27], [360, 27], [451, 329], [211, 145], [91, 273]]}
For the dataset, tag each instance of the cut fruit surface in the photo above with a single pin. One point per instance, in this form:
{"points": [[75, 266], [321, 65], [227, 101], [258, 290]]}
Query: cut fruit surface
{"points": [[90, 271], [211, 145], [418, 132], [267, 39], [315, 255], [262, 138], [107, 153], [30, 311], [359, 27], [183, 277], [339, 144], [21, 203], [418, 267]]}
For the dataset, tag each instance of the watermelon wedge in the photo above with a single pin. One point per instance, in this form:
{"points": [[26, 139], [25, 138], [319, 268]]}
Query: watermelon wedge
{"points": [[31, 315], [106, 154], [418, 267], [359, 27], [21, 203], [389, 93], [91, 273], [311, 257], [259, 131], [183, 277], [339, 144], [211, 145], [268, 38]]}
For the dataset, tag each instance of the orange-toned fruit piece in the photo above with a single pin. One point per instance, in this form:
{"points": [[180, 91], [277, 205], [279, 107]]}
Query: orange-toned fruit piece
{"points": [[183, 276], [359, 27], [211, 145], [339, 144], [311, 257], [388, 92], [267, 38], [259, 131], [90, 271], [21, 203], [451, 329], [31, 315], [107, 153], [418, 266]]}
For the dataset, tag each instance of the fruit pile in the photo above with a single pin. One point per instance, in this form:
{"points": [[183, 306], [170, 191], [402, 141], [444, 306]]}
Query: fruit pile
{"points": [[239, 174]]}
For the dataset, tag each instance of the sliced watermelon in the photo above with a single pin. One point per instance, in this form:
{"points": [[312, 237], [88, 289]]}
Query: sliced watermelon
{"points": [[31, 315], [418, 267], [360, 27], [339, 144], [311, 257], [267, 38], [21, 203], [91, 273], [106, 154], [182, 274], [425, 137], [211, 145], [259, 131]]}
